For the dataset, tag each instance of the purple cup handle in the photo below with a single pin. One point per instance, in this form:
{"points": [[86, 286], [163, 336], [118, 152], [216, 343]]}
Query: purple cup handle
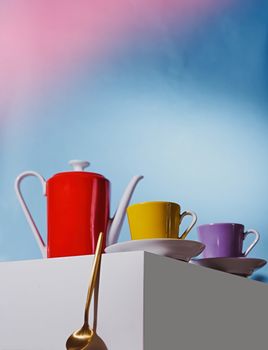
{"points": [[185, 213], [257, 237]]}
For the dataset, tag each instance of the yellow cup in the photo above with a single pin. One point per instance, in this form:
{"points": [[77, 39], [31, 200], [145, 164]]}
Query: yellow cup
{"points": [[157, 220]]}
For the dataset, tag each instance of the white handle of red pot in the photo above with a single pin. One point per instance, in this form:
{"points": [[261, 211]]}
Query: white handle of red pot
{"points": [[41, 244]]}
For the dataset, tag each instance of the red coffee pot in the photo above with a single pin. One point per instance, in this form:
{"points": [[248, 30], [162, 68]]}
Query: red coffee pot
{"points": [[78, 209]]}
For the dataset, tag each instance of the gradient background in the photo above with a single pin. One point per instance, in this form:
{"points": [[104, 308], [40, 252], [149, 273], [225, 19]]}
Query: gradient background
{"points": [[173, 90]]}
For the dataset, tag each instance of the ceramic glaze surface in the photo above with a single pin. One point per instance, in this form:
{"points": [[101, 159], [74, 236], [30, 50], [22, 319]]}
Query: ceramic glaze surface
{"points": [[157, 220], [78, 209], [237, 266], [180, 249], [224, 240], [78, 205]]}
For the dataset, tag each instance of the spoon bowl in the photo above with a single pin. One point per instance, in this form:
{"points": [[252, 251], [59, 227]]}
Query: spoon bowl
{"points": [[85, 339]]}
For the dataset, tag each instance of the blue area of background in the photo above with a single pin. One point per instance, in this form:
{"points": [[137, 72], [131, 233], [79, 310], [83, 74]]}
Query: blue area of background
{"points": [[188, 110]]}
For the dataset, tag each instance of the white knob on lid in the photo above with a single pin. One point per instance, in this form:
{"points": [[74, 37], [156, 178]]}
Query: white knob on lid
{"points": [[79, 165]]}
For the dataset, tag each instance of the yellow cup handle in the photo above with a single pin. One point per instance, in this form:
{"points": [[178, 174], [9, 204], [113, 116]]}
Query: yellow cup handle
{"points": [[185, 213]]}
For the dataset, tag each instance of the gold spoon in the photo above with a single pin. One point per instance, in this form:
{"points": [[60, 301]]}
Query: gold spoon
{"points": [[87, 338]]}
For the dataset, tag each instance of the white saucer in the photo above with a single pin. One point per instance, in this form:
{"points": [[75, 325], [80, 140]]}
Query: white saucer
{"points": [[179, 249], [237, 266]]}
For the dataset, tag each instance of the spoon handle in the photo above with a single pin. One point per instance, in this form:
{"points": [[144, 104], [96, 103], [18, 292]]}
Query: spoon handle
{"points": [[94, 273]]}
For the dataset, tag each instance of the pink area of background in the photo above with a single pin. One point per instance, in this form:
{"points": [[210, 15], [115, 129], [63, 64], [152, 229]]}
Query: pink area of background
{"points": [[43, 39]]}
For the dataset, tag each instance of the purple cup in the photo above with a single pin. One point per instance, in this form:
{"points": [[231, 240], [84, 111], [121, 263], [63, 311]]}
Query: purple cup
{"points": [[225, 239]]}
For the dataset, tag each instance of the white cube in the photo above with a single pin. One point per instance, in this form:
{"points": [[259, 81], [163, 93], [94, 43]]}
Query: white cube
{"points": [[145, 302]]}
